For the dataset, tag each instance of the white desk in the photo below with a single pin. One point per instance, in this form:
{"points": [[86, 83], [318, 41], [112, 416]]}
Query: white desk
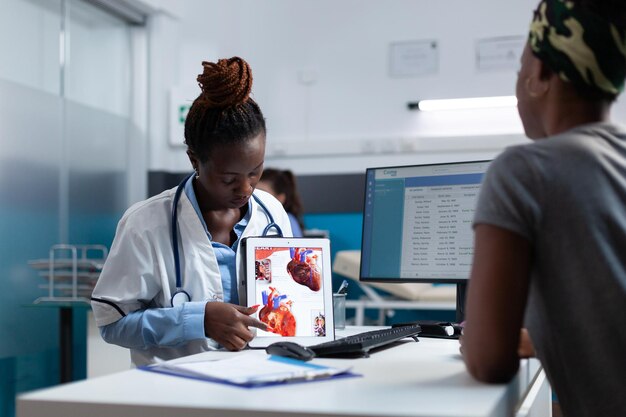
{"points": [[415, 379]]}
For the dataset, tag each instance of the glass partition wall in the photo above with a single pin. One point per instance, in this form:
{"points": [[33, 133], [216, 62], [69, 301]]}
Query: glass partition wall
{"points": [[65, 86]]}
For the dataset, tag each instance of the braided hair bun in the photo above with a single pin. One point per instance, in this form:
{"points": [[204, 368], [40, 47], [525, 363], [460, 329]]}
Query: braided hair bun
{"points": [[225, 83], [223, 113]]}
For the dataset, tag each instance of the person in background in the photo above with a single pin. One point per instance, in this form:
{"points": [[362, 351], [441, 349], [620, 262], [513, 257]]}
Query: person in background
{"points": [[282, 185], [550, 223], [137, 302]]}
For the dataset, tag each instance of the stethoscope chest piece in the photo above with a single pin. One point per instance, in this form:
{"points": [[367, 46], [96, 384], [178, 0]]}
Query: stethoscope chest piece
{"points": [[180, 297]]}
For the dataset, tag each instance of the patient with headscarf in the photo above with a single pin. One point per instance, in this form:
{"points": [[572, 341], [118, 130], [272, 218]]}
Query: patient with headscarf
{"points": [[550, 223]]}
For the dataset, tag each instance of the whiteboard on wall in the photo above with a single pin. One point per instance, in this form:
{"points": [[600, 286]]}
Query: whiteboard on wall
{"points": [[413, 58], [500, 53]]}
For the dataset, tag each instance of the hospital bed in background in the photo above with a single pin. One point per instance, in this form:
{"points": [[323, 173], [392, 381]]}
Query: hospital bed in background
{"points": [[402, 296]]}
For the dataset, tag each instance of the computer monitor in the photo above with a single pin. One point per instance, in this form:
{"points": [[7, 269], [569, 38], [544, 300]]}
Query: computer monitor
{"points": [[417, 224]]}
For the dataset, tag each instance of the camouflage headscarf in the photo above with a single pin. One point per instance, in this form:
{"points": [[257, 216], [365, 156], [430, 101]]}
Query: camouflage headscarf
{"points": [[581, 47]]}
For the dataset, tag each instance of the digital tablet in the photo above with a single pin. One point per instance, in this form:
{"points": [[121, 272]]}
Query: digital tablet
{"points": [[291, 280]]}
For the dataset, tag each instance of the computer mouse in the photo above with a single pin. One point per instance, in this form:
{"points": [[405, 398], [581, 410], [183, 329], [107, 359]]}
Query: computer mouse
{"points": [[290, 350]]}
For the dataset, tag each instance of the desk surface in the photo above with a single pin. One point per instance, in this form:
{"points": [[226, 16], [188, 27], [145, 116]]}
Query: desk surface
{"points": [[427, 378]]}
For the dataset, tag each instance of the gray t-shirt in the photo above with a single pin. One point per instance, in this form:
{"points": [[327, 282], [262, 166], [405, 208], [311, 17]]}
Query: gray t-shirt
{"points": [[567, 196]]}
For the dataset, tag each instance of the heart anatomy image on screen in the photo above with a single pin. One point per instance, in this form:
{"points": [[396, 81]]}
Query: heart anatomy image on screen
{"points": [[288, 284]]}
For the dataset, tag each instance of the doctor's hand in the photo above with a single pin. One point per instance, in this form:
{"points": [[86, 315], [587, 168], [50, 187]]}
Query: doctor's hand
{"points": [[228, 324]]}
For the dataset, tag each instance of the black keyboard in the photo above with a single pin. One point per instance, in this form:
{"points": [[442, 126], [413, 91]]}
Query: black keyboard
{"points": [[360, 344]]}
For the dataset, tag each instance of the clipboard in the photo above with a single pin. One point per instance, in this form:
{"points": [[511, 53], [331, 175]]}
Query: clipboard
{"points": [[251, 370]]}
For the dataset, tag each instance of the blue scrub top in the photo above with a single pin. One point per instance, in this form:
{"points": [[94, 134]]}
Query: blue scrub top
{"points": [[295, 226]]}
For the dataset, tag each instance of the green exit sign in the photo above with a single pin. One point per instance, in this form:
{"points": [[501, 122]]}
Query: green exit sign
{"points": [[181, 100], [183, 110]]}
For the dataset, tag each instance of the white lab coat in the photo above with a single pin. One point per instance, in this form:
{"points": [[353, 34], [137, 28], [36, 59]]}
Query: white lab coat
{"points": [[139, 271]]}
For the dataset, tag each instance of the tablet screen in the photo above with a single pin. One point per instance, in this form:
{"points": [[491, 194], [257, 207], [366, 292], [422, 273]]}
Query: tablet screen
{"points": [[292, 286]]}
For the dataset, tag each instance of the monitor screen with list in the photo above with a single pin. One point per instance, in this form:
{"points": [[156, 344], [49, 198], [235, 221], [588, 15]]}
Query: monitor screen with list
{"points": [[417, 222]]}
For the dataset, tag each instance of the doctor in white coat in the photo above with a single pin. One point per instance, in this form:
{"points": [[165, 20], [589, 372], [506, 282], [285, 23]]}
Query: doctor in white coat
{"points": [[137, 301]]}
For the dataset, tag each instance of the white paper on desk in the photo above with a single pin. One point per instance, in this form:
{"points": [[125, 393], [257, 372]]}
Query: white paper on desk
{"points": [[252, 369]]}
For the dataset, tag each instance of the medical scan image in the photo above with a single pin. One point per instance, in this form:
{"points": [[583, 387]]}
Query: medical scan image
{"points": [[276, 313], [303, 268]]}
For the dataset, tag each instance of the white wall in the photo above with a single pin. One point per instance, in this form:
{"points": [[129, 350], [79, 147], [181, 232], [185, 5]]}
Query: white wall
{"points": [[353, 114]]}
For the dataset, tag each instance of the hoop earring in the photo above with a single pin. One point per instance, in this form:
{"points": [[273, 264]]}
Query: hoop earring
{"points": [[534, 94]]}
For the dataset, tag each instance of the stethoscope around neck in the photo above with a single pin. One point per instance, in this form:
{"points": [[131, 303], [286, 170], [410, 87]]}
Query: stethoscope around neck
{"points": [[181, 296]]}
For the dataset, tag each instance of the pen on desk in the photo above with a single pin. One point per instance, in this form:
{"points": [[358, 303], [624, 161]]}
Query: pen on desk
{"points": [[343, 288]]}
